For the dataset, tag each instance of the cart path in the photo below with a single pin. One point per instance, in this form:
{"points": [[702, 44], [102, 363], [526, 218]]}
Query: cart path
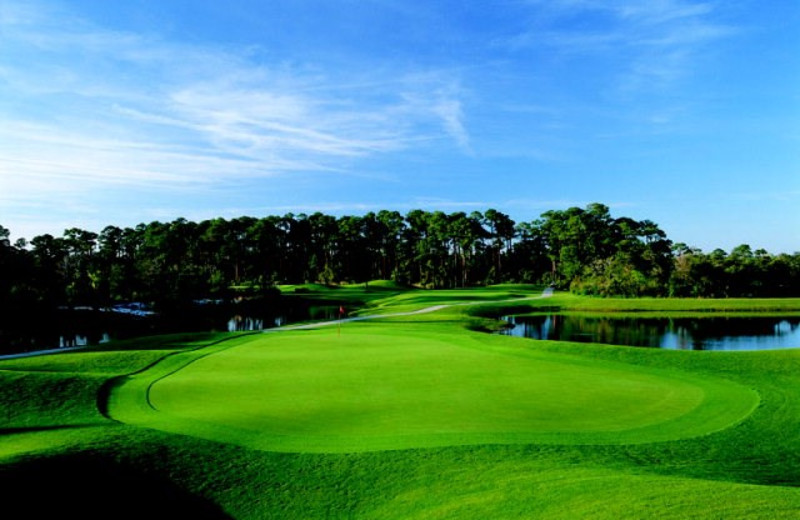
{"points": [[545, 294]]}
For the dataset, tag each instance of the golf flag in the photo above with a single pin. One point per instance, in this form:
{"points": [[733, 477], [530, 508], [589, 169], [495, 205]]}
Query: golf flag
{"points": [[341, 310]]}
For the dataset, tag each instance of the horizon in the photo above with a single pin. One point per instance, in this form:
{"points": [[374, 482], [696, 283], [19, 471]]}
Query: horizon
{"points": [[680, 112]]}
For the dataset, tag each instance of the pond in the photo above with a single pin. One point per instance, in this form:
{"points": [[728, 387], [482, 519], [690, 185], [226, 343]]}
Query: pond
{"points": [[254, 320], [695, 333], [66, 328]]}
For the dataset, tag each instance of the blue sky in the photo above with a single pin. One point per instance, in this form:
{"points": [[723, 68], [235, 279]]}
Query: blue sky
{"points": [[683, 112]]}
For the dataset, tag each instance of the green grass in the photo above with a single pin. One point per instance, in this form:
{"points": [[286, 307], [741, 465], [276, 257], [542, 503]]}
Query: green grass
{"points": [[406, 417], [374, 390], [381, 296], [346, 293], [567, 301]]}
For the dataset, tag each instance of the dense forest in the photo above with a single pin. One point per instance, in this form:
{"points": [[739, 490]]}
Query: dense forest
{"points": [[581, 249]]}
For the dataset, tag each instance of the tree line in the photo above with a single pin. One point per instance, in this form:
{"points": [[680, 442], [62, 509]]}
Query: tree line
{"points": [[585, 250]]}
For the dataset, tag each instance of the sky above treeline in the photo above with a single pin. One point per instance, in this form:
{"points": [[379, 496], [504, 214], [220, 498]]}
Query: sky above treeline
{"points": [[683, 112]]}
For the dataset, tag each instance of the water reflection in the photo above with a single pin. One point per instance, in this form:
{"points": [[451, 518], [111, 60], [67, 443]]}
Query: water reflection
{"points": [[702, 333], [75, 340], [68, 328], [239, 323], [242, 323]]}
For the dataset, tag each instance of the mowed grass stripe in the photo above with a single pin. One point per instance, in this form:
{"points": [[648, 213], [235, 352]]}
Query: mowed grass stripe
{"points": [[127, 398], [383, 386]]}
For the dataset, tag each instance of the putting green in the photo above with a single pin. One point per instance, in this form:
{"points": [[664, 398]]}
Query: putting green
{"points": [[380, 387]]}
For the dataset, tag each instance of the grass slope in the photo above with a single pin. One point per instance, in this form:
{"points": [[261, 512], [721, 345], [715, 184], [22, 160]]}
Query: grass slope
{"points": [[54, 440], [685, 305]]}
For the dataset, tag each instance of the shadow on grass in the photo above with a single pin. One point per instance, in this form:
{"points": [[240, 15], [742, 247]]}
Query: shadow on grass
{"points": [[90, 487], [37, 429]]}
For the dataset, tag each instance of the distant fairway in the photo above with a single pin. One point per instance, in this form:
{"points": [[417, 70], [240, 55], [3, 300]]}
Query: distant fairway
{"points": [[381, 386]]}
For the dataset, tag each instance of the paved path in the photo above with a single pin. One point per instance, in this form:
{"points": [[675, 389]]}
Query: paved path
{"points": [[356, 318], [40, 352], [545, 294]]}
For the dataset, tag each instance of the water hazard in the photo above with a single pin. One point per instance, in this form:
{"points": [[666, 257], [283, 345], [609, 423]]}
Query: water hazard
{"points": [[696, 333], [256, 321], [65, 328]]}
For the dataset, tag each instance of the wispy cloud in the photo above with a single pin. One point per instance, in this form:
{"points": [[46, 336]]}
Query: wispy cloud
{"points": [[453, 119], [658, 39], [120, 108]]}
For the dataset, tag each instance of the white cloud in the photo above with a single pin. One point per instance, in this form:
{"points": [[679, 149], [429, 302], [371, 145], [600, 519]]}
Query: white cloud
{"points": [[97, 108], [453, 120], [659, 39], [660, 11]]}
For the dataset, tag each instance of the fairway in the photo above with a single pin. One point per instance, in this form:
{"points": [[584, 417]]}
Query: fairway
{"points": [[383, 386]]}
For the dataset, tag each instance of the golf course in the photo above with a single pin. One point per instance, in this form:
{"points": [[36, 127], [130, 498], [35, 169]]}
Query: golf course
{"points": [[409, 408]]}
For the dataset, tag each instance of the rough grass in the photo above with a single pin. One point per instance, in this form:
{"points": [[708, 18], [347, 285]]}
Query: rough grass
{"points": [[566, 301], [54, 442]]}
